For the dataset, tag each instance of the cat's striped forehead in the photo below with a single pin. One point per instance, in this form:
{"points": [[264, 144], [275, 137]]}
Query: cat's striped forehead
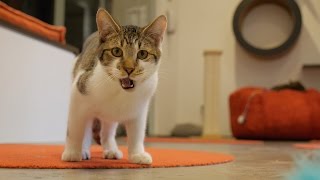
{"points": [[130, 33]]}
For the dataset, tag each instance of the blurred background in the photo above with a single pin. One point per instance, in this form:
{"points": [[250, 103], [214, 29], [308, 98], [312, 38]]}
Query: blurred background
{"points": [[199, 32]]}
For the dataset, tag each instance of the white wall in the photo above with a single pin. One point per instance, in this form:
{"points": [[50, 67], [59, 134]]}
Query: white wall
{"points": [[35, 85], [198, 26], [206, 24]]}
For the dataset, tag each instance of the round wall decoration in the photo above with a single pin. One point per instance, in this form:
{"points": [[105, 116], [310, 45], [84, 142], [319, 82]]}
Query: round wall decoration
{"points": [[246, 6]]}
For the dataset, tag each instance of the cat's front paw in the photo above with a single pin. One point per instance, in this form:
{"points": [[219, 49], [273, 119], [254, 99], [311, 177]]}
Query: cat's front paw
{"points": [[112, 154], [71, 156], [140, 158]]}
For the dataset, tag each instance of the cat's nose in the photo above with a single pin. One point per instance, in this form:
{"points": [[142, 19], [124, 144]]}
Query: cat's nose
{"points": [[129, 70]]}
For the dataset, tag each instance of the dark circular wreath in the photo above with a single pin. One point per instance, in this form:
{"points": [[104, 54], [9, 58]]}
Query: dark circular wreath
{"points": [[247, 5]]}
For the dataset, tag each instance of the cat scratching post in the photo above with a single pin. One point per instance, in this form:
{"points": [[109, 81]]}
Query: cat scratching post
{"points": [[211, 125]]}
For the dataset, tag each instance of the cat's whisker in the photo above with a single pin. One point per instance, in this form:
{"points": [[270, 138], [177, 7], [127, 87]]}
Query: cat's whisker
{"points": [[98, 85], [163, 77], [163, 74]]}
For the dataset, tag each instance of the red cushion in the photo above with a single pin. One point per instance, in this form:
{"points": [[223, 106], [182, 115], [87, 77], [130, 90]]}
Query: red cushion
{"points": [[283, 115], [29, 23]]}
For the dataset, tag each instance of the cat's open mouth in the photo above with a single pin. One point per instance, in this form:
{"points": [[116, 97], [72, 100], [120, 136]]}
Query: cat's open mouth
{"points": [[127, 83]]}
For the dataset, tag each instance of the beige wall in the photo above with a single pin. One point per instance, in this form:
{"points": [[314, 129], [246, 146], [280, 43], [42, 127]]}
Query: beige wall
{"points": [[121, 8], [198, 26], [207, 25]]}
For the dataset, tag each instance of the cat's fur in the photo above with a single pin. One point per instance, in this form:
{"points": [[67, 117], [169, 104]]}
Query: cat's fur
{"points": [[102, 91]]}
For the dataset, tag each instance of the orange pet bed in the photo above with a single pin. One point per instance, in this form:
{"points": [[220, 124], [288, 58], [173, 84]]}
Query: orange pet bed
{"points": [[31, 24], [48, 157], [257, 113]]}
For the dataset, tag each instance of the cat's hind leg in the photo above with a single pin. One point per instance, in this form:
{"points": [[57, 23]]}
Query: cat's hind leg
{"points": [[108, 141]]}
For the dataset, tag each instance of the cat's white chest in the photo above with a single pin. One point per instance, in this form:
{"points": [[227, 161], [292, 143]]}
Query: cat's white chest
{"points": [[118, 105], [107, 100]]}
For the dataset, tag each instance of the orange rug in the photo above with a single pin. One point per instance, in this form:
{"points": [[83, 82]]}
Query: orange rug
{"points": [[203, 140], [48, 157], [312, 145]]}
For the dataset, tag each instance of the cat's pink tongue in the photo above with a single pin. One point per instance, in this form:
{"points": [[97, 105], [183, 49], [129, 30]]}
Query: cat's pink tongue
{"points": [[126, 83]]}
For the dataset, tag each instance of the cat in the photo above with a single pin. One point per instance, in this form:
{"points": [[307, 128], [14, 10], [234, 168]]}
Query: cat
{"points": [[114, 79]]}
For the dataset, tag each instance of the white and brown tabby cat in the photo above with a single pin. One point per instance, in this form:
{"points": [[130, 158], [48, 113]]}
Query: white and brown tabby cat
{"points": [[114, 79]]}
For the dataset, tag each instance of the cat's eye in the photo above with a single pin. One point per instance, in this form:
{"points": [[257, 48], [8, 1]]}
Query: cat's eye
{"points": [[142, 54], [117, 52]]}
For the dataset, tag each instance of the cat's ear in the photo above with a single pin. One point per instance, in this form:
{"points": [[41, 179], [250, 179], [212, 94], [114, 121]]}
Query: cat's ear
{"points": [[156, 29], [106, 24]]}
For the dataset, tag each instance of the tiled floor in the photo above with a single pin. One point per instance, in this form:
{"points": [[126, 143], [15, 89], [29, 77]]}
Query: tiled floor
{"points": [[272, 160]]}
